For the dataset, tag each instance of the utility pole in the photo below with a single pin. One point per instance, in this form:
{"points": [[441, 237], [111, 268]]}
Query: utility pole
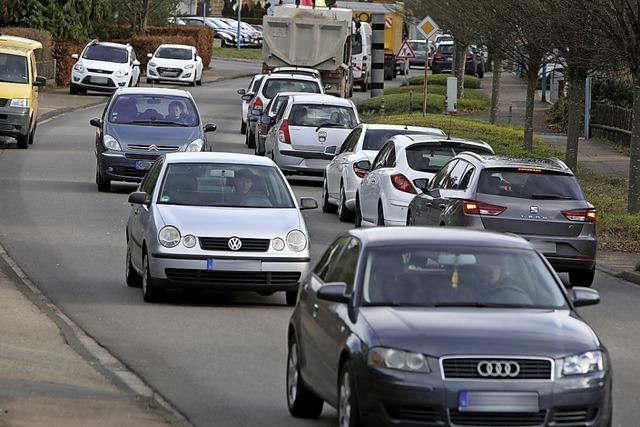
{"points": [[239, 5]]}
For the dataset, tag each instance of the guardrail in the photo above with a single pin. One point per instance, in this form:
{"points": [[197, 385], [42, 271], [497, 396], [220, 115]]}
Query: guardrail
{"points": [[611, 122]]}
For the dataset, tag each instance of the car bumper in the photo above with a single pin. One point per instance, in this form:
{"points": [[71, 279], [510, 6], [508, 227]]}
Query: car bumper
{"points": [[442, 66], [567, 254], [301, 162], [185, 76], [391, 398], [122, 166], [14, 121], [99, 82], [395, 213]]}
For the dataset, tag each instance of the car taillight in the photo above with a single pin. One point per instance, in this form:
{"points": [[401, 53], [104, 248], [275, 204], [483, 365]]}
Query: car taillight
{"points": [[258, 103], [469, 55], [359, 172], [332, 74], [400, 182], [581, 215], [473, 207], [439, 56], [283, 132]]}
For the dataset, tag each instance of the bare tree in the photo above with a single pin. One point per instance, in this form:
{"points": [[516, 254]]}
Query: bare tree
{"points": [[138, 12]]}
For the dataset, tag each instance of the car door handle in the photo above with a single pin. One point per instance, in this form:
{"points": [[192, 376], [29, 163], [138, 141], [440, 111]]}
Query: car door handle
{"points": [[316, 308], [442, 206], [428, 205]]}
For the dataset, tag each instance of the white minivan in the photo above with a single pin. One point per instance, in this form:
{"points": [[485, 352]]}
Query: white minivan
{"points": [[361, 55]]}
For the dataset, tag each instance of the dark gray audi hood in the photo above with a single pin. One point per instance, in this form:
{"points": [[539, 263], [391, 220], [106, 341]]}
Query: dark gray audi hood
{"points": [[158, 135]]}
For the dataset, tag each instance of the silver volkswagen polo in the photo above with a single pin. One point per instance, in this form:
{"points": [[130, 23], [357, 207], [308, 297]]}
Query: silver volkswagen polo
{"points": [[216, 220]]}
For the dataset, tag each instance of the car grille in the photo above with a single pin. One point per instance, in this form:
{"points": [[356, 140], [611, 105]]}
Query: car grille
{"points": [[136, 156], [95, 70], [169, 72], [233, 277], [221, 244], [422, 414], [496, 419], [3, 102], [467, 368], [129, 172], [573, 417], [163, 148]]}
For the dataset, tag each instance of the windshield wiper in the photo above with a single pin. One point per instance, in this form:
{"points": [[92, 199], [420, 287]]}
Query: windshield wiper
{"points": [[330, 125], [154, 122], [549, 197]]}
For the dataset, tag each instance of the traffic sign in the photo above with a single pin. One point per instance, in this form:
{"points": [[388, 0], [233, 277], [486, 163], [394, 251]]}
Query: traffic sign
{"points": [[405, 52], [428, 27]]}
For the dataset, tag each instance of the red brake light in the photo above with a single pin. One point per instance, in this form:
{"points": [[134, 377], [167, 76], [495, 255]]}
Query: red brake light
{"points": [[400, 182], [581, 215], [473, 207], [283, 132], [439, 56], [359, 172], [469, 55], [258, 103]]}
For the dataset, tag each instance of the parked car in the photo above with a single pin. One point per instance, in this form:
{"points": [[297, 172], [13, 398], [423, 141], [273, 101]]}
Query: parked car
{"points": [[342, 175], [270, 86], [19, 82], [257, 241], [400, 170], [442, 38], [263, 125], [444, 327], [308, 130], [226, 35], [539, 199], [175, 63], [104, 67], [419, 48], [255, 35], [247, 95], [140, 124], [442, 61]]}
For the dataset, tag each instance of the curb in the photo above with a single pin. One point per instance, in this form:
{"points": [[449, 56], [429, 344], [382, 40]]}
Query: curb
{"points": [[629, 276]]}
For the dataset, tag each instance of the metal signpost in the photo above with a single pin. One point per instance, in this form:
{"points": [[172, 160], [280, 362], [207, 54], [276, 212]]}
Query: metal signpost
{"points": [[427, 28]]}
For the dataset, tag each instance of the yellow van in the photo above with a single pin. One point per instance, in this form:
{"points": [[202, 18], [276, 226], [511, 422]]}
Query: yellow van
{"points": [[19, 88]]}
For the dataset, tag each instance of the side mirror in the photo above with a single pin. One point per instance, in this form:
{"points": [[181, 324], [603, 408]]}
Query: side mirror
{"points": [[139, 198], [96, 122], [241, 91], [421, 183], [40, 81], [330, 150], [327, 87], [584, 296], [74, 56], [266, 120], [363, 166], [210, 127], [308, 203], [247, 97], [334, 292], [256, 112], [136, 63], [149, 55]]}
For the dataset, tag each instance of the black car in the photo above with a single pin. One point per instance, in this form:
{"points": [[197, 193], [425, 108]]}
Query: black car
{"points": [[140, 124], [444, 327], [442, 61]]}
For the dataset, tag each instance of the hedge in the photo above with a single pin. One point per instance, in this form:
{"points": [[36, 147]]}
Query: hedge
{"points": [[203, 37], [470, 82], [148, 44], [62, 51], [398, 102], [44, 37]]}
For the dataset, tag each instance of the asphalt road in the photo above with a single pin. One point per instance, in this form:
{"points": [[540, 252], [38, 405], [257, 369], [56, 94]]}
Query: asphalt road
{"points": [[219, 358]]}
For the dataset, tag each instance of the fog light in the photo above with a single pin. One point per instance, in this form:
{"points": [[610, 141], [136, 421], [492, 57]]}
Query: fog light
{"points": [[122, 84], [187, 75], [76, 79], [110, 169]]}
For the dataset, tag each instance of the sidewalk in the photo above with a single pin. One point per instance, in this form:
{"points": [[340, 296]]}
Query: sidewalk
{"points": [[594, 155]]}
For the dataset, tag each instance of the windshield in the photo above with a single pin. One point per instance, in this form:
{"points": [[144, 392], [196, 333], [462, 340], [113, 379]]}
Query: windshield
{"points": [[174, 53], [374, 139], [436, 276], [430, 158], [446, 49], [274, 86], [220, 23], [526, 183], [13, 68], [224, 185], [356, 43], [154, 110], [98, 52], [417, 46], [322, 115]]}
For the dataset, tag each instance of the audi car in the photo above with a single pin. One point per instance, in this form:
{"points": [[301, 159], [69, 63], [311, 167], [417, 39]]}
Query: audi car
{"points": [[218, 221], [444, 327]]}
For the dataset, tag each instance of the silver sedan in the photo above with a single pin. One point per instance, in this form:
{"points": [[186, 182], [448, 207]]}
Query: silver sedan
{"points": [[216, 220]]}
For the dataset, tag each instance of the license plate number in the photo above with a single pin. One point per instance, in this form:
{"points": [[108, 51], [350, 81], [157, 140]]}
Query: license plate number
{"points": [[491, 401], [545, 247], [233, 265], [99, 80], [143, 165]]}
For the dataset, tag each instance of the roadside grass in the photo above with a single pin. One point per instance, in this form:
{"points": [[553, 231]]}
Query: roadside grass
{"points": [[396, 101], [617, 230], [233, 53], [470, 82]]}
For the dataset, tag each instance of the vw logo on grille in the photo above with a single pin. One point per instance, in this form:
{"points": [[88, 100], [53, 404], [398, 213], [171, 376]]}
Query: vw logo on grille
{"points": [[234, 244], [498, 369], [152, 148]]}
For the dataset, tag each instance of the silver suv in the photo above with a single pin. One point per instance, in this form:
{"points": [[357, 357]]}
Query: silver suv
{"points": [[539, 199]]}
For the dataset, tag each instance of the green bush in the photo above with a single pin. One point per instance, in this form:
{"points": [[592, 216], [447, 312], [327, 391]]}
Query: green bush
{"points": [[397, 102], [470, 82]]}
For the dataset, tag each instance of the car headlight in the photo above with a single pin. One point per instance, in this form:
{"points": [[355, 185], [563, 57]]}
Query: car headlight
{"points": [[20, 102], [582, 364], [189, 240], [169, 236], [391, 358], [277, 244], [296, 240], [152, 64], [122, 73], [188, 67], [78, 67], [195, 145], [111, 143]]}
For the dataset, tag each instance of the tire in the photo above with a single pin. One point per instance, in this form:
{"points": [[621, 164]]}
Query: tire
{"points": [[149, 81], [380, 221], [348, 412], [357, 217], [326, 206], [344, 214], [301, 401], [104, 185], [363, 86], [199, 81], [150, 292], [291, 298], [193, 82], [133, 279], [32, 135], [73, 89], [243, 127], [582, 277], [23, 141], [251, 139]]}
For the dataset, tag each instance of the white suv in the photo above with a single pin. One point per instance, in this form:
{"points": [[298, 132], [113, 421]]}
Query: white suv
{"points": [[104, 67], [175, 63]]}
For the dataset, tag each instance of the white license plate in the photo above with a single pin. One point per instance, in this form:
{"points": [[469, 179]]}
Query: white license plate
{"points": [[99, 80], [497, 401], [544, 247], [214, 264]]}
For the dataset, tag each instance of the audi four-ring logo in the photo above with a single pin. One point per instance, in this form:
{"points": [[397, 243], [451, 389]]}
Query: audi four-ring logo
{"points": [[498, 369], [234, 243]]}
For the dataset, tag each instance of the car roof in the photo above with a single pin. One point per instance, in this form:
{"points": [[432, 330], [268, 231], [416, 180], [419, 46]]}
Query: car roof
{"points": [[498, 161], [218, 157], [317, 98], [373, 126], [110, 44], [14, 50], [414, 139], [18, 43], [153, 91], [291, 76], [182, 46], [437, 236]]}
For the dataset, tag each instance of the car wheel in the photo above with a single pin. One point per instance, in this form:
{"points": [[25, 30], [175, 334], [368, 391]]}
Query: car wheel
{"points": [[251, 138], [582, 277], [344, 214], [326, 206], [357, 218], [363, 86], [243, 127], [348, 414], [291, 298], [193, 82], [23, 141], [104, 185], [134, 280], [301, 401], [380, 221], [149, 81], [73, 89], [199, 81], [150, 292], [410, 220], [32, 135]]}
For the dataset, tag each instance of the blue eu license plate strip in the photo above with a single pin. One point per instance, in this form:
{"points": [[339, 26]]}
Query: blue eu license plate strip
{"points": [[491, 401], [143, 164], [211, 263]]}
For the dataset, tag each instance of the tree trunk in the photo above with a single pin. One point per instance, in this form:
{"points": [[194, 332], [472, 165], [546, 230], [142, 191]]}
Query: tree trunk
{"points": [[532, 79], [574, 102], [461, 57], [495, 88], [634, 161]]}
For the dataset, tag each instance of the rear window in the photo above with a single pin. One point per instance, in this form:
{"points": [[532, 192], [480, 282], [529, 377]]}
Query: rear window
{"points": [[174, 53], [446, 49], [430, 158], [274, 86], [356, 43], [375, 139], [322, 115], [98, 52], [529, 184]]}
